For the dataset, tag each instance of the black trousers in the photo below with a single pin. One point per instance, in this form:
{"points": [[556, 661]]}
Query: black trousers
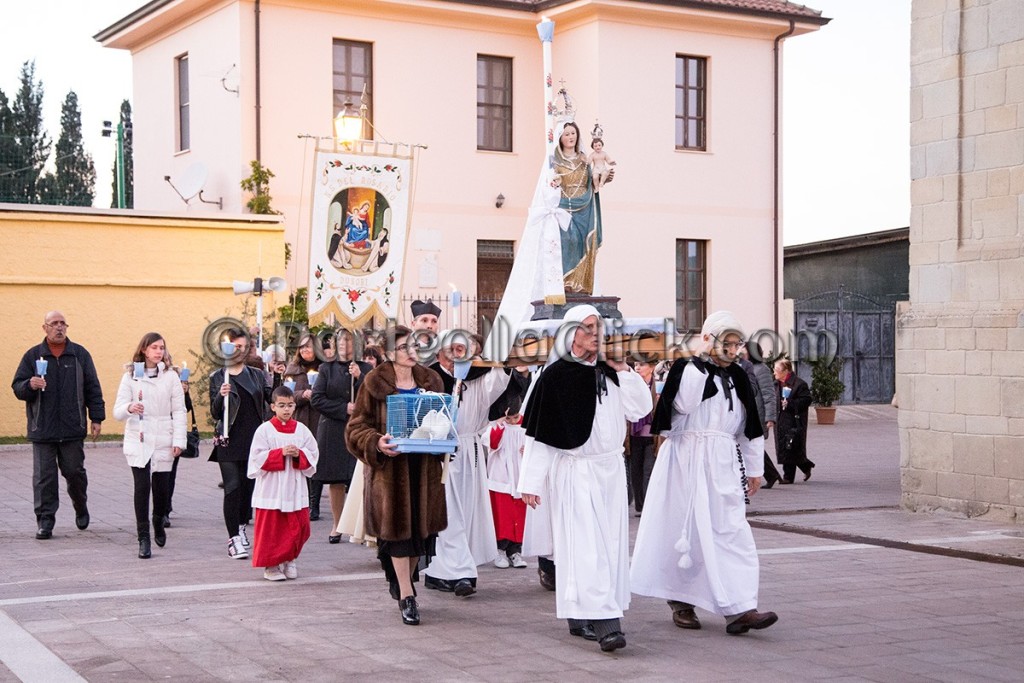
{"points": [[789, 469], [174, 478], [160, 485], [47, 458], [771, 474], [237, 495], [640, 463]]}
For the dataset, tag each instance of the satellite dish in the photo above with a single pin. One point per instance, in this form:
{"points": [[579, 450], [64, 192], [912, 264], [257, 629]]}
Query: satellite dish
{"points": [[192, 180]]}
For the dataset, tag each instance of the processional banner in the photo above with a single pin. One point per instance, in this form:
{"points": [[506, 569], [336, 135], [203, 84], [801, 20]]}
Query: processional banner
{"points": [[360, 225]]}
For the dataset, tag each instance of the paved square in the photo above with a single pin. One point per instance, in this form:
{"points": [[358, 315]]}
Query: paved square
{"points": [[82, 606]]}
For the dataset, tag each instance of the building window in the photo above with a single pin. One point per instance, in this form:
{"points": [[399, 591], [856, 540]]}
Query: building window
{"points": [[691, 102], [494, 103], [181, 76], [353, 69], [691, 284]]}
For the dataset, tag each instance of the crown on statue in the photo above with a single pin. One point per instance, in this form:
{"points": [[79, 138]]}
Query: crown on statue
{"points": [[565, 113], [598, 131]]}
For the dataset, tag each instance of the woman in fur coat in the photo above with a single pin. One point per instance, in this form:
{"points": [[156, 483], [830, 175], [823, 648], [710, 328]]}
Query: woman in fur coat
{"points": [[403, 496]]}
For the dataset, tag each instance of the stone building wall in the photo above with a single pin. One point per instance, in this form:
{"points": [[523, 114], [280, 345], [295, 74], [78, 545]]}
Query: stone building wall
{"points": [[960, 340]]}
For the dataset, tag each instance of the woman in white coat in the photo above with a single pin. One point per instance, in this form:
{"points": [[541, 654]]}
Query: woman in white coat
{"points": [[151, 401]]}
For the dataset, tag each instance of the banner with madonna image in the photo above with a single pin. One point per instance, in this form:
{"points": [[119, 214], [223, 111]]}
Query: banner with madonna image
{"points": [[360, 224]]}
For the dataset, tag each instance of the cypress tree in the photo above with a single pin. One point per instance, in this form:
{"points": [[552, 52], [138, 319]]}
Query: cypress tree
{"points": [[10, 178], [31, 143], [74, 183]]}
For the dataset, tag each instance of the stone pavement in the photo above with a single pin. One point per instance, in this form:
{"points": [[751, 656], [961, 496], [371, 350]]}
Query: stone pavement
{"points": [[852, 606]]}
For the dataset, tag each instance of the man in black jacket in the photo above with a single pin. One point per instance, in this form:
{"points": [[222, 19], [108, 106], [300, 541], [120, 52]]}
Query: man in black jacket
{"points": [[56, 401]]}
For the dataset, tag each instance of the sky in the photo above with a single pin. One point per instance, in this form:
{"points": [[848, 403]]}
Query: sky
{"points": [[846, 104]]}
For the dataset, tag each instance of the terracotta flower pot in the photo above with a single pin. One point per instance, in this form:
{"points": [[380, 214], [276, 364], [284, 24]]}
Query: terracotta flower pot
{"points": [[825, 416]]}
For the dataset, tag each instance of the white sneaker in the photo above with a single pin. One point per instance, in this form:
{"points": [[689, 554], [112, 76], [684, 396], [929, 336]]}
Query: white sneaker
{"points": [[236, 549], [274, 573], [517, 561], [501, 562], [244, 536], [290, 570]]}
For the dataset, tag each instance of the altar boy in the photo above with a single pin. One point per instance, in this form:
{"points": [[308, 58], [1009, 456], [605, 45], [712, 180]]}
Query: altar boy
{"points": [[283, 456]]}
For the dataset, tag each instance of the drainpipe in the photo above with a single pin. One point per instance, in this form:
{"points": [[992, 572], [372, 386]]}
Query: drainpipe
{"points": [[257, 16], [775, 157]]}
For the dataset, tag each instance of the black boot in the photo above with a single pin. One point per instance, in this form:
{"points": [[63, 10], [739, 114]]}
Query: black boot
{"points": [[159, 535], [145, 552]]}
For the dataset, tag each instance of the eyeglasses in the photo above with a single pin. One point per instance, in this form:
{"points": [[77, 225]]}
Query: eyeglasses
{"points": [[58, 323], [730, 346], [405, 347]]}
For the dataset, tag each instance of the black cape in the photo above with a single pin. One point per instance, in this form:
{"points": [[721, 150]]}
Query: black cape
{"points": [[561, 409], [737, 376]]}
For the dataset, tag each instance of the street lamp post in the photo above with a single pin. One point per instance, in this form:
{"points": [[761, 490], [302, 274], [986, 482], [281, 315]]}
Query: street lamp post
{"points": [[108, 130], [256, 288]]}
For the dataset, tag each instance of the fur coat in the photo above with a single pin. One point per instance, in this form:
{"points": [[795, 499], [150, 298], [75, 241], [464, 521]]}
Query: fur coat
{"points": [[387, 500]]}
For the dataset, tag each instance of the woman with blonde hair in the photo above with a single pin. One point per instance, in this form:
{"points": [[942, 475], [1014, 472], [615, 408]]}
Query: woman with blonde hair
{"points": [[151, 402]]}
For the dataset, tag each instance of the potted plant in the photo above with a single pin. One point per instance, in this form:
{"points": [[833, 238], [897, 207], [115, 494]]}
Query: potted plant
{"points": [[826, 388]]}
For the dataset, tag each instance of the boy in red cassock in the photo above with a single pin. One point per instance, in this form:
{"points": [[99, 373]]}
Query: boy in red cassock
{"points": [[283, 456]]}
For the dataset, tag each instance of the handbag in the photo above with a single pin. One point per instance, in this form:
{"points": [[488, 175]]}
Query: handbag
{"points": [[191, 449], [790, 439]]}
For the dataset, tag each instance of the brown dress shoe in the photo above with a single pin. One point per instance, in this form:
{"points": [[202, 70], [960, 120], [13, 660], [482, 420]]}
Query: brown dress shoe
{"points": [[685, 618], [751, 620]]}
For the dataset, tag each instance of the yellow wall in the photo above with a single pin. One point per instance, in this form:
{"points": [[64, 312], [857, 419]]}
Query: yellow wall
{"points": [[119, 274]]}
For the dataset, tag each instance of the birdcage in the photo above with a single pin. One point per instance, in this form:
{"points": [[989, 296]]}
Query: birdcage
{"points": [[422, 422]]}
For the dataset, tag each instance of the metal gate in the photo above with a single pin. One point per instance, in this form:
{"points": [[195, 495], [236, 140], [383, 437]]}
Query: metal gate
{"points": [[865, 331]]}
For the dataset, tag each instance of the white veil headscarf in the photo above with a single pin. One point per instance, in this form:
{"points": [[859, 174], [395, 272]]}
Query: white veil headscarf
{"points": [[721, 322]]}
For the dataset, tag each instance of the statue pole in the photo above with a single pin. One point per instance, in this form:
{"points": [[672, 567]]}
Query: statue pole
{"points": [[546, 32]]}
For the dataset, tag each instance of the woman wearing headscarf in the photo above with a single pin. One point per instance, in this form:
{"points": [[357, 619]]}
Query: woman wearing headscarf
{"points": [[694, 547]]}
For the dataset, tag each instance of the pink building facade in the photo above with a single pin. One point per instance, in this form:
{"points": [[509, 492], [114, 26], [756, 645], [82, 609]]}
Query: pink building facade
{"points": [[685, 90]]}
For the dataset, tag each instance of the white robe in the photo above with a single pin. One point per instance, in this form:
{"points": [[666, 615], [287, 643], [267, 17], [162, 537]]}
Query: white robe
{"points": [[503, 462], [694, 544], [469, 539], [589, 515], [285, 490]]}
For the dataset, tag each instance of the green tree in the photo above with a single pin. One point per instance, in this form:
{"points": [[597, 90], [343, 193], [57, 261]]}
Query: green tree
{"points": [[74, 183], [10, 178], [258, 185], [31, 143], [129, 165]]}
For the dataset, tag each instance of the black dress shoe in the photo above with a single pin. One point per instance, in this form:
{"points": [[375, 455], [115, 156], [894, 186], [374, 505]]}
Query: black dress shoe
{"points": [[145, 551], [43, 533], [768, 484], [807, 473], [410, 611], [785, 481], [464, 588], [314, 515], [613, 641], [547, 579], [438, 584], [751, 620], [334, 538], [82, 520], [585, 632], [159, 535], [167, 521]]}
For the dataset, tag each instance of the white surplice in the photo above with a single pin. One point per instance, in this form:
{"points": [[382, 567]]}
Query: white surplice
{"points": [[586, 489], [285, 490], [694, 544], [469, 539]]}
